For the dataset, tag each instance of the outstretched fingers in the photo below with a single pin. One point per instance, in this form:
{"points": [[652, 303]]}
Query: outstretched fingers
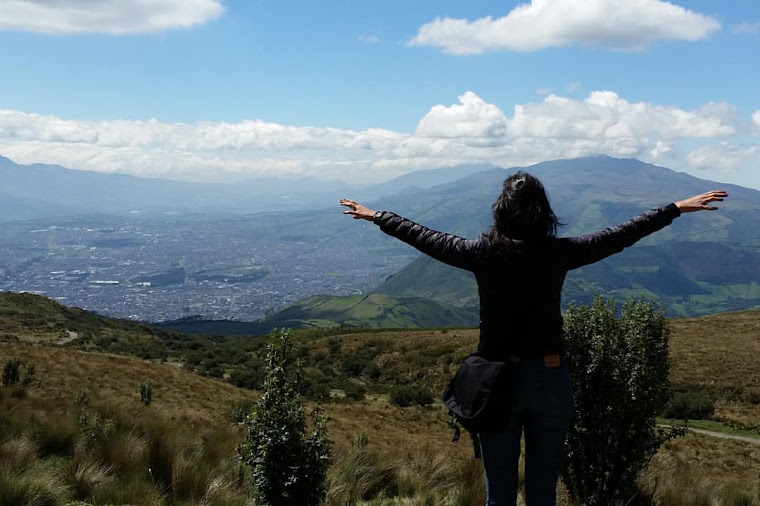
{"points": [[356, 210], [712, 196], [702, 201]]}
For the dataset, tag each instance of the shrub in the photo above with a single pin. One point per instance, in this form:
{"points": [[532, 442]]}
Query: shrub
{"points": [[689, 405], [239, 411], [355, 392], [247, 377], [146, 392], [619, 370], [411, 395], [315, 385], [10, 372], [354, 365], [96, 428], [288, 466], [319, 392], [371, 371], [81, 398]]}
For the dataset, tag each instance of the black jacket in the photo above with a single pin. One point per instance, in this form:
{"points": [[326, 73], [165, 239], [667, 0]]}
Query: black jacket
{"points": [[520, 283]]}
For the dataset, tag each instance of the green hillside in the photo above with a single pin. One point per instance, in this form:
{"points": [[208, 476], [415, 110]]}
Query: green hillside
{"points": [[78, 431], [325, 311], [432, 280], [702, 264], [685, 276], [29, 317], [374, 310]]}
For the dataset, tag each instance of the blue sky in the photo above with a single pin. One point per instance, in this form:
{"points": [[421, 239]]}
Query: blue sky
{"points": [[366, 91]]}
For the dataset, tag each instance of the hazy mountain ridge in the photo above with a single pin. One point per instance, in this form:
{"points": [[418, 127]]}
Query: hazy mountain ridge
{"points": [[44, 191], [695, 266], [700, 264]]}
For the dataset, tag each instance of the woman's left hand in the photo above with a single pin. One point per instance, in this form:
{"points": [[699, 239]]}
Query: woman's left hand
{"points": [[358, 211], [701, 202]]}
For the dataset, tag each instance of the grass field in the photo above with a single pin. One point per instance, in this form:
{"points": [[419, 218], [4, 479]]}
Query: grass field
{"points": [[408, 459], [55, 447]]}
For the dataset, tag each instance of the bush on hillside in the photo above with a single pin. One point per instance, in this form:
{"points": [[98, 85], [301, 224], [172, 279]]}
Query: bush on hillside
{"points": [[250, 378], [619, 370], [10, 372], [690, 405], [355, 392], [146, 392], [411, 395], [288, 462]]}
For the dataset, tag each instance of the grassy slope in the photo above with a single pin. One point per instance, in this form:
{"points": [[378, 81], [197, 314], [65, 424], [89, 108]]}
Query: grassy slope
{"points": [[182, 395], [322, 311], [34, 318], [713, 352], [690, 286], [188, 400], [719, 353], [370, 311]]}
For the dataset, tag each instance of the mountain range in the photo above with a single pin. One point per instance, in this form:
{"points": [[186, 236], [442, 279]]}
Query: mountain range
{"points": [[704, 263], [701, 264], [51, 191]]}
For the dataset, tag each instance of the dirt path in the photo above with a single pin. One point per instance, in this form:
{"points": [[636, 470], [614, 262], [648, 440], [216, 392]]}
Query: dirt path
{"points": [[722, 435]]}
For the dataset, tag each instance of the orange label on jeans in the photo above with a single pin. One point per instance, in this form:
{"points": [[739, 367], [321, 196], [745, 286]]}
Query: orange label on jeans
{"points": [[551, 360]]}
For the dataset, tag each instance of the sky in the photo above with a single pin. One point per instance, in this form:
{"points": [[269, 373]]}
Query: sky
{"points": [[360, 91]]}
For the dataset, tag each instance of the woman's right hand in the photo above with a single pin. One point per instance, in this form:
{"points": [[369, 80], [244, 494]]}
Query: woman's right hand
{"points": [[358, 211], [700, 202]]}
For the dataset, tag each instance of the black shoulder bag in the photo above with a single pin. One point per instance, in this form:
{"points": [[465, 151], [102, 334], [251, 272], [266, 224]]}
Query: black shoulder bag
{"points": [[481, 395]]}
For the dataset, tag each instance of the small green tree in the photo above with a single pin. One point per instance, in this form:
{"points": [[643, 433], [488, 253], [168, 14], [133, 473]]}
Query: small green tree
{"points": [[289, 465], [11, 371], [619, 370], [146, 392]]}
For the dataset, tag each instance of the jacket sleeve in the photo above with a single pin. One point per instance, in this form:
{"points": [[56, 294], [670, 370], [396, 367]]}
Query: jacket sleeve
{"points": [[447, 248], [587, 249]]}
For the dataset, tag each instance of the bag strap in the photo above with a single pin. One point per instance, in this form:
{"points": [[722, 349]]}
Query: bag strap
{"points": [[454, 424], [476, 445]]}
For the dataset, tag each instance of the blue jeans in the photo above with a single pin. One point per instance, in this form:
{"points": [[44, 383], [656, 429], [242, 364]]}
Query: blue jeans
{"points": [[544, 406]]}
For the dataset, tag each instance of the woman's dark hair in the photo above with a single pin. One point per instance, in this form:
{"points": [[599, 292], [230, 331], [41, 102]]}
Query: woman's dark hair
{"points": [[522, 211]]}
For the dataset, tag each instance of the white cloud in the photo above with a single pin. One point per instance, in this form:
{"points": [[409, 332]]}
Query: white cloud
{"points": [[203, 136], [105, 16], [608, 24], [473, 117], [662, 149], [750, 28], [725, 157], [470, 131], [756, 119], [604, 115]]}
